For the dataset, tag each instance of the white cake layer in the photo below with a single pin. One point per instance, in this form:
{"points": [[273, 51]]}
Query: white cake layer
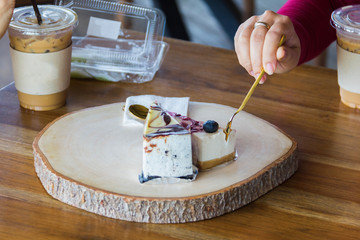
{"points": [[167, 156], [209, 146]]}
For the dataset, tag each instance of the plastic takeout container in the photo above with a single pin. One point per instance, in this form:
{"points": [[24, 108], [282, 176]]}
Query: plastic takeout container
{"points": [[116, 41]]}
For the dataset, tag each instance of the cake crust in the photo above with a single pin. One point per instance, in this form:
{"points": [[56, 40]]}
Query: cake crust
{"points": [[206, 165]]}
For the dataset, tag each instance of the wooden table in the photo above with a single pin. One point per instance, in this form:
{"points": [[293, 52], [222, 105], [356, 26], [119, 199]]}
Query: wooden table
{"points": [[321, 201]]}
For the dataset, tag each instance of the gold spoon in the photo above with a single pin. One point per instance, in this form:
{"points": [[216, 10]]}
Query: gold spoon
{"points": [[139, 111], [227, 130]]}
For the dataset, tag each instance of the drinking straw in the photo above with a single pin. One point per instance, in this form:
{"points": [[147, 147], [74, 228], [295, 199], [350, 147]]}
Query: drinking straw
{"points": [[37, 12]]}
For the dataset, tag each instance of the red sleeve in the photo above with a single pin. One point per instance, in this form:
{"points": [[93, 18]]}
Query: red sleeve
{"points": [[311, 20]]}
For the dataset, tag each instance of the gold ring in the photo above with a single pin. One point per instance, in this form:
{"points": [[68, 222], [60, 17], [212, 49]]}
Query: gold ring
{"points": [[264, 24]]}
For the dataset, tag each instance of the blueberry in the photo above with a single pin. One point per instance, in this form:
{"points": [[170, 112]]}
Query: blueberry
{"points": [[210, 126]]}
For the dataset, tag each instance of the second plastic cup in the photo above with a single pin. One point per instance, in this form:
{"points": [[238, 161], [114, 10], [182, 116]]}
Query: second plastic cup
{"points": [[41, 55], [346, 21]]}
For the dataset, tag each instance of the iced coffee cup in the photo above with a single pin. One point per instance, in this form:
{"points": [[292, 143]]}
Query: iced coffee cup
{"points": [[346, 21], [41, 55]]}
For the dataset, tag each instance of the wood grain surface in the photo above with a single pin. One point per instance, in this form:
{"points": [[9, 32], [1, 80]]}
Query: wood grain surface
{"points": [[321, 201]]}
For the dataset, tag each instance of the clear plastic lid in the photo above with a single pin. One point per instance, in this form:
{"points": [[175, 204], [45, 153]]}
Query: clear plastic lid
{"points": [[347, 19], [55, 18], [115, 37]]}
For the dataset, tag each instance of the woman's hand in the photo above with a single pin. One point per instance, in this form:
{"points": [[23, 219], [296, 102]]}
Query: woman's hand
{"points": [[6, 11], [259, 47]]}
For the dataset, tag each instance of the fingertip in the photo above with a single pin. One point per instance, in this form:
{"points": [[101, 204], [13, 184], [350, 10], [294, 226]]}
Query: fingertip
{"points": [[263, 79], [269, 68], [281, 54]]}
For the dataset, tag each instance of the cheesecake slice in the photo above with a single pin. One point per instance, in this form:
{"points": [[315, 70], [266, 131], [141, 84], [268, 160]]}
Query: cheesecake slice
{"points": [[211, 149], [167, 154]]}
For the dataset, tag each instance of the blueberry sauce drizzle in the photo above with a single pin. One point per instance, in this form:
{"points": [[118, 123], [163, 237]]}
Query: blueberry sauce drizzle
{"points": [[189, 124]]}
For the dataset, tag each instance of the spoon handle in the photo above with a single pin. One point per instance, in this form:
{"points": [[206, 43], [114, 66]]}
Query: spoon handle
{"points": [[227, 130]]}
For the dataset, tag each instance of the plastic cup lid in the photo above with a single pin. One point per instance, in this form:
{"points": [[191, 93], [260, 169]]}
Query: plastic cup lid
{"points": [[54, 18], [347, 19]]}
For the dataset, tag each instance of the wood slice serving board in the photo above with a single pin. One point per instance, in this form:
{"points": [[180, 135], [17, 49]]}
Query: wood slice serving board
{"points": [[89, 160]]}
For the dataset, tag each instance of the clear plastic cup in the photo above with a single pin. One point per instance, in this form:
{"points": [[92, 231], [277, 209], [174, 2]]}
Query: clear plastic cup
{"points": [[346, 21], [41, 55]]}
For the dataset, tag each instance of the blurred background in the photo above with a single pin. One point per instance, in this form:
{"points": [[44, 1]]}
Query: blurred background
{"points": [[209, 22]]}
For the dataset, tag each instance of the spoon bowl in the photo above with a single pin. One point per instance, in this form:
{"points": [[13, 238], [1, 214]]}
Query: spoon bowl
{"points": [[139, 111]]}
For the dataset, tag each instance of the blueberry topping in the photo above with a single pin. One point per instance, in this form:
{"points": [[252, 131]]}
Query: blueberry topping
{"points": [[210, 126]]}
